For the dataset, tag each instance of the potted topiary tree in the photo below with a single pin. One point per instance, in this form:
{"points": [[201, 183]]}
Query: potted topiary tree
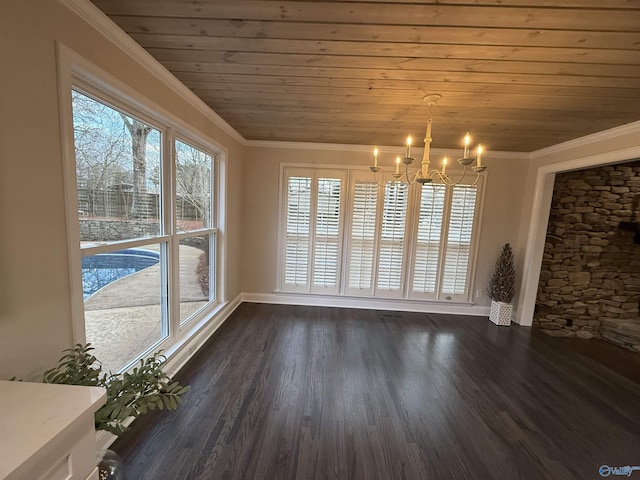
{"points": [[502, 287]]}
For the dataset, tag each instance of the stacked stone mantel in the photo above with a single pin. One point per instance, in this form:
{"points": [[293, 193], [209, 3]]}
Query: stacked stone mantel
{"points": [[590, 279]]}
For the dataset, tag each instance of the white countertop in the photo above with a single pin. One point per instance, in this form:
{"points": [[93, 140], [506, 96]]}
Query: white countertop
{"points": [[32, 415]]}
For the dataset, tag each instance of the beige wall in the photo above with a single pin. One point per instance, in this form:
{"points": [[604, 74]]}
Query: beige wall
{"points": [[500, 223], [35, 318]]}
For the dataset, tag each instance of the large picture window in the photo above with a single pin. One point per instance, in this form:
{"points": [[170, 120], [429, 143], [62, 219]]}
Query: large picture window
{"points": [[400, 241], [146, 203]]}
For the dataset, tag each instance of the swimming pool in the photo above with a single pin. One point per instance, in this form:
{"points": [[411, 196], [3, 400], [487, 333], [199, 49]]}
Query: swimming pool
{"points": [[103, 268]]}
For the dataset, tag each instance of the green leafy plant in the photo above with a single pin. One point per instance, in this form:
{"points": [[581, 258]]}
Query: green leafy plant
{"points": [[502, 285], [129, 394]]}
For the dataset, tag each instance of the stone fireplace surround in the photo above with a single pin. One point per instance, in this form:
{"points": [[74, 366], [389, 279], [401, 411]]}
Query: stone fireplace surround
{"points": [[590, 277]]}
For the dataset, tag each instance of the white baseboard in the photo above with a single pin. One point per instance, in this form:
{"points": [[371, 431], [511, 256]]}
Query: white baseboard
{"points": [[178, 355], [367, 303]]}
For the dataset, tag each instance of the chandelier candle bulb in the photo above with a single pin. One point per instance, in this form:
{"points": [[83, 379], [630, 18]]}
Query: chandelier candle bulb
{"points": [[444, 165], [375, 157], [467, 141], [397, 165], [480, 150], [409, 140]]}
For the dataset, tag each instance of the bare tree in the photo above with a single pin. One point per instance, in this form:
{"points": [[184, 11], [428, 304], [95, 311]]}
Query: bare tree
{"points": [[100, 147], [193, 180], [139, 133]]}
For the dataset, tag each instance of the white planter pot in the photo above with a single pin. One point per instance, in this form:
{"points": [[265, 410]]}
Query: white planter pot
{"points": [[500, 313]]}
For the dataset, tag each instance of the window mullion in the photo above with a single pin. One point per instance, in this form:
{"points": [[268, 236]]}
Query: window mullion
{"points": [[313, 212], [345, 225], [377, 242], [410, 232], [169, 223], [444, 238]]}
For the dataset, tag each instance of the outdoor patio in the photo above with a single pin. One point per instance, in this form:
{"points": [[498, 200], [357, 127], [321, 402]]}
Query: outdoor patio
{"points": [[124, 318]]}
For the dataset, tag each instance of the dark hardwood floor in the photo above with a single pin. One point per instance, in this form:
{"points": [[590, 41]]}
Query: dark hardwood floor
{"points": [[287, 392]]}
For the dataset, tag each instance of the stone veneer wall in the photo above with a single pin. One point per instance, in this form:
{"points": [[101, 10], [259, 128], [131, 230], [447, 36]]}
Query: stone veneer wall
{"points": [[590, 279]]}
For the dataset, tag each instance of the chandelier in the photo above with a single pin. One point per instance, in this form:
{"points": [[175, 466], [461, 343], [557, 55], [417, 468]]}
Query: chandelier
{"points": [[424, 174]]}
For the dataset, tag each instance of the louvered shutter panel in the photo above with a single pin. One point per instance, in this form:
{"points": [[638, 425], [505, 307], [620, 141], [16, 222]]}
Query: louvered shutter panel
{"points": [[428, 236], [297, 229], [391, 250], [362, 235], [458, 248], [327, 234]]}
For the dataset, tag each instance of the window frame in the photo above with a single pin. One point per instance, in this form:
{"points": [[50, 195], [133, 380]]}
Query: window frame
{"points": [[211, 231], [77, 73]]}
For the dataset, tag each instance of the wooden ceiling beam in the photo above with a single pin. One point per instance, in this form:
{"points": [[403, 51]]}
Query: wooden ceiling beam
{"points": [[181, 67], [545, 17], [397, 63], [415, 96], [204, 81], [425, 50], [618, 106], [465, 35], [385, 114]]}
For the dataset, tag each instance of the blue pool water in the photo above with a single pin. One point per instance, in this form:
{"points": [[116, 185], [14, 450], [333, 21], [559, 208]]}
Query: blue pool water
{"points": [[102, 269]]}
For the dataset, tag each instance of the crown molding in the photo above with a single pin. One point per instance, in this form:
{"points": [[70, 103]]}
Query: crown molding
{"points": [[587, 140], [104, 25]]}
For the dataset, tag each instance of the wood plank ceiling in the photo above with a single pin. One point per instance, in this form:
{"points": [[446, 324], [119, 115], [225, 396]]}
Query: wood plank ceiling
{"points": [[519, 74]]}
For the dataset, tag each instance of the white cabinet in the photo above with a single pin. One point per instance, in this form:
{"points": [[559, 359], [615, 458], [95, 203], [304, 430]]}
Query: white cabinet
{"points": [[47, 431]]}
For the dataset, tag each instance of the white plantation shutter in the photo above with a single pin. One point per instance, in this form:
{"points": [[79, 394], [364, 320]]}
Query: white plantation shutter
{"points": [[297, 229], [362, 235], [312, 230], [391, 249], [328, 234], [458, 246], [403, 241], [428, 237]]}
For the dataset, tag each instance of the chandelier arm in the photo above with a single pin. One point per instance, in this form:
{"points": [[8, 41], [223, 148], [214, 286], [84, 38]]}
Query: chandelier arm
{"points": [[475, 182], [375, 179], [444, 179], [462, 175], [408, 175]]}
